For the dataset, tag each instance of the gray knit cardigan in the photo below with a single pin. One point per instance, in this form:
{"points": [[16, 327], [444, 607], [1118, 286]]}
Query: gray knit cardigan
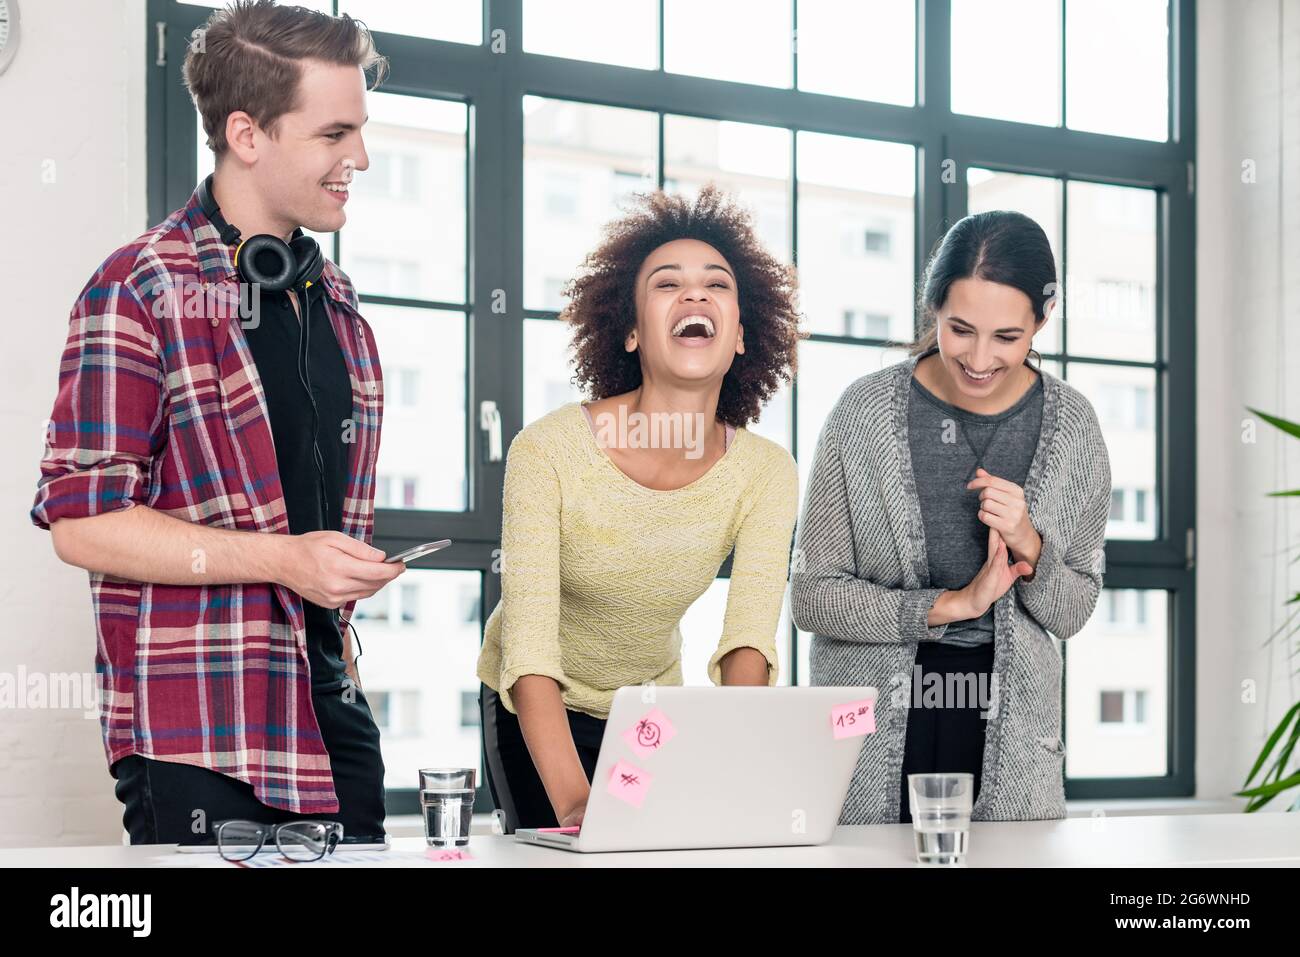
{"points": [[860, 584]]}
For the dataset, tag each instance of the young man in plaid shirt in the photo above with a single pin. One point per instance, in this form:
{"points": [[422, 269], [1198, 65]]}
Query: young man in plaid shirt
{"points": [[214, 469]]}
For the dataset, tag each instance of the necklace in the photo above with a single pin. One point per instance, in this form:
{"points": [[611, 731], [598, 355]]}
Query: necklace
{"points": [[978, 453]]}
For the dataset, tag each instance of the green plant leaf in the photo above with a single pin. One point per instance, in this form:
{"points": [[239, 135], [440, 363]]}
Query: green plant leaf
{"points": [[1256, 803], [1272, 740], [1291, 428], [1263, 793], [1269, 790], [1284, 758]]}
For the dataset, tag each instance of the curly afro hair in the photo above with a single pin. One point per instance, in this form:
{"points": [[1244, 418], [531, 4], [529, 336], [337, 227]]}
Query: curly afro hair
{"points": [[602, 305]]}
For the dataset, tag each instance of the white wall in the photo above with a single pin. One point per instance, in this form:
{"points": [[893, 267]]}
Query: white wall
{"points": [[72, 111], [1248, 349]]}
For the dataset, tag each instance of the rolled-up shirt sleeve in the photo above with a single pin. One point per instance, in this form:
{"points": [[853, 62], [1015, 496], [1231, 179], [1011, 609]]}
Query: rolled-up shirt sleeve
{"points": [[107, 420]]}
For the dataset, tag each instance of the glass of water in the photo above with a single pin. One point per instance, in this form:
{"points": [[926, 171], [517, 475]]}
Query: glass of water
{"points": [[941, 805], [447, 805]]}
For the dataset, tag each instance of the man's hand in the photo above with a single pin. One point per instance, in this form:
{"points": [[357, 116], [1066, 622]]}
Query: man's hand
{"points": [[331, 569]]}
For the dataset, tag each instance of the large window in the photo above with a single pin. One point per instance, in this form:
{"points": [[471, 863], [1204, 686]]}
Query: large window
{"points": [[510, 131]]}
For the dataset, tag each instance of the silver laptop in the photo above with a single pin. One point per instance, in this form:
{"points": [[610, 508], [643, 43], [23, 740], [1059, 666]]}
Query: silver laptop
{"points": [[706, 767]]}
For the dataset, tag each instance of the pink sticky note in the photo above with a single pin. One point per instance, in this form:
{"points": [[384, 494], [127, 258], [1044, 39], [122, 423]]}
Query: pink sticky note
{"points": [[854, 719], [559, 830], [629, 783], [447, 854], [650, 733]]}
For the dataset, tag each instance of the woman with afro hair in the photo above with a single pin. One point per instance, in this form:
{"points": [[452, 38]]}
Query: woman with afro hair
{"points": [[619, 511]]}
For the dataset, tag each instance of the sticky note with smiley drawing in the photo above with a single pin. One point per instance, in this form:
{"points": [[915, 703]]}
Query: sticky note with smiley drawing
{"points": [[650, 733]]}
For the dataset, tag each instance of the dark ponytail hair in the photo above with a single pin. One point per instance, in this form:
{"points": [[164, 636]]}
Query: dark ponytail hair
{"points": [[999, 246]]}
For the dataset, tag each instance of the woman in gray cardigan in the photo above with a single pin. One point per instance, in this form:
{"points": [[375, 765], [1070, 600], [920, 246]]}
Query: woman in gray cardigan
{"points": [[955, 516]]}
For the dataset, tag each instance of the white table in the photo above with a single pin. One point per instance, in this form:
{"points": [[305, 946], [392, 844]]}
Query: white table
{"points": [[1225, 840]]}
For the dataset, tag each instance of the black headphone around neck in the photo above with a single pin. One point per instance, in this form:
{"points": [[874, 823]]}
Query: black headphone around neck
{"points": [[265, 259]]}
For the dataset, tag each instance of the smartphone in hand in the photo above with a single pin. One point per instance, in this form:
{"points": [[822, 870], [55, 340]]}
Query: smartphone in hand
{"points": [[419, 551]]}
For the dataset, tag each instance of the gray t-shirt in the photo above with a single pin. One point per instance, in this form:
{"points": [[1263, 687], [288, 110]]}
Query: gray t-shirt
{"points": [[941, 437]]}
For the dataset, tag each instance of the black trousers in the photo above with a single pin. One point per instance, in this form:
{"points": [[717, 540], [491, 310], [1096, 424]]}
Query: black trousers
{"points": [[949, 738], [516, 787], [170, 803]]}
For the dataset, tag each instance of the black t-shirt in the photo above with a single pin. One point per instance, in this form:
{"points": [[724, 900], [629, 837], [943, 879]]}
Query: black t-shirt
{"points": [[311, 504]]}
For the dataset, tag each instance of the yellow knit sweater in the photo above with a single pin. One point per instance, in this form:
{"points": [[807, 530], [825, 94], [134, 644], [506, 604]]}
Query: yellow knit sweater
{"points": [[597, 570]]}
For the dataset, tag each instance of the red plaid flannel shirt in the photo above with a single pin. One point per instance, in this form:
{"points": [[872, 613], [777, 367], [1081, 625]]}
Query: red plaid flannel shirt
{"points": [[160, 404]]}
